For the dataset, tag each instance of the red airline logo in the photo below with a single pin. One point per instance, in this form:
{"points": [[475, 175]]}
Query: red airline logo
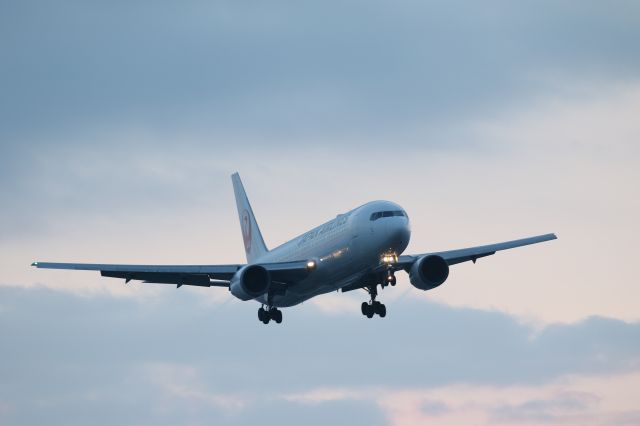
{"points": [[246, 230]]}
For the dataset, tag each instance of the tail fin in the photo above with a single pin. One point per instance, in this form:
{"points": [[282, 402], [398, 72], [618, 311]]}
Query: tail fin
{"points": [[254, 245]]}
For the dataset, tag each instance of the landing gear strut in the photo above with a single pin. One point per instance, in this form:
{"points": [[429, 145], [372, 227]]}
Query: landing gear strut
{"points": [[391, 278], [373, 307], [268, 314]]}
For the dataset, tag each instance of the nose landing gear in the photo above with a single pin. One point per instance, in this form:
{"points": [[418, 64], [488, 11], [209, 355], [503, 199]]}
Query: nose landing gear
{"points": [[389, 259], [271, 313], [391, 278]]}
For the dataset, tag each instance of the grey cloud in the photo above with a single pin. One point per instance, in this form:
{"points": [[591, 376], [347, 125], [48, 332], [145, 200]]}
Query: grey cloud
{"points": [[293, 68], [342, 412], [434, 407], [92, 90], [69, 354], [140, 404], [546, 410], [627, 419]]}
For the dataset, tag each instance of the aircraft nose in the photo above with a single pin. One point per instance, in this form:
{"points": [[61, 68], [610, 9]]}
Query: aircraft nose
{"points": [[401, 233], [397, 233]]}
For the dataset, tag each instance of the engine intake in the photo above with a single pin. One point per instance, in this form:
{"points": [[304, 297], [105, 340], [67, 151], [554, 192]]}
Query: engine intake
{"points": [[429, 272], [250, 282]]}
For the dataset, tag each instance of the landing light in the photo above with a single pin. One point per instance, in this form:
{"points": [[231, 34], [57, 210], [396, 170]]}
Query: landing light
{"points": [[389, 258], [311, 265]]}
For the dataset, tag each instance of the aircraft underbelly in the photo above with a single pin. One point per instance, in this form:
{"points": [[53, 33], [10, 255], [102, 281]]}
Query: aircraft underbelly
{"points": [[296, 296], [335, 270]]}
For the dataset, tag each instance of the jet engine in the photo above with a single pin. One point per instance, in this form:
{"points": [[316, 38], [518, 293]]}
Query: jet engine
{"points": [[429, 272], [250, 282]]}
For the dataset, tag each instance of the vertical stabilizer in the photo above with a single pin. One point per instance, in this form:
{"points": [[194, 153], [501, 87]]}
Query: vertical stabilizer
{"points": [[254, 245]]}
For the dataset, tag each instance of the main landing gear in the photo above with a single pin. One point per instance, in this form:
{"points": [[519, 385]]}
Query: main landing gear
{"points": [[373, 307], [271, 313]]}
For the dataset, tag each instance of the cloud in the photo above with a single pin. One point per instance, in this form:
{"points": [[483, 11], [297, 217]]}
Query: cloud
{"points": [[173, 354], [122, 122], [486, 122], [541, 168], [340, 412], [279, 71], [568, 400], [545, 410], [180, 382]]}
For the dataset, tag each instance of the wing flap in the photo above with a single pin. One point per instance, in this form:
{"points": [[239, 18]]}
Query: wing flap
{"points": [[216, 272], [196, 275], [200, 280]]}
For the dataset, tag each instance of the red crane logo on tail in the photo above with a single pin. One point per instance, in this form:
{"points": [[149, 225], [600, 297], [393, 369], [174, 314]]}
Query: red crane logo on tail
{"points": [[246, 231]]}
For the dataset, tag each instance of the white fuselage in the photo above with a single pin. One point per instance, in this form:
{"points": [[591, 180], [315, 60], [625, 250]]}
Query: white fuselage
{"points": [[345, 249]]}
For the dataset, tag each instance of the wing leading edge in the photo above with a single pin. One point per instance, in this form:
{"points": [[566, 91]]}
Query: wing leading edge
{"points": [[453, 257]]}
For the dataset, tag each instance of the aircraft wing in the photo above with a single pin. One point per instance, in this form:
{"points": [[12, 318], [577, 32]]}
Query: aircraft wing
{"points": [[453, 257], [197, 275]]}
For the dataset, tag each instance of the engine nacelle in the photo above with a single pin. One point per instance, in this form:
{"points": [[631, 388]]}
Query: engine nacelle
{"points": [[429, 272], [250, 282]]}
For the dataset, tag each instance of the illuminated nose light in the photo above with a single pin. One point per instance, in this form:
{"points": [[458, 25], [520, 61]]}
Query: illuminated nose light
{"points": [[389, 258], [311, 265]]}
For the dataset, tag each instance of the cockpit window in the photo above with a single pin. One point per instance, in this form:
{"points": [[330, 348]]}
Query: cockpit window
{"points": [[388, 213]]}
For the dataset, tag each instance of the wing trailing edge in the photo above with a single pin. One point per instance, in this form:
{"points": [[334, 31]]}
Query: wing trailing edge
{"points": [[194, 275]]}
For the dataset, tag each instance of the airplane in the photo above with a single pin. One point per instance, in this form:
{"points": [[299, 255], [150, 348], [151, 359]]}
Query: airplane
{"points": [[359, 249]]}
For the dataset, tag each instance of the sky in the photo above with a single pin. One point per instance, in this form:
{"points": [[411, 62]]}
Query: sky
{"points": [[122, 122]]}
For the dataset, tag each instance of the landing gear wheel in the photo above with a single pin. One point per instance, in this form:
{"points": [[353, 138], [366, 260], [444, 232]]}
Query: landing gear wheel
{"points": [[276, 314], [374, 307], [370, 311], [271, 313], [264, 315], [367, 310]]}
